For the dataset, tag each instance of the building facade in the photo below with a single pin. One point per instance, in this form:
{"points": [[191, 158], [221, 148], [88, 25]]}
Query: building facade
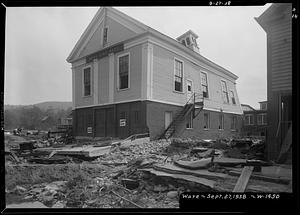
{"points": [[255, 121], [277, 23], [128, 78]]}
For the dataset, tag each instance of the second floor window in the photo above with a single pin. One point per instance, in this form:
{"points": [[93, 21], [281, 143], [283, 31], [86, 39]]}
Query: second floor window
{"points": [[262, 119], [224, 92], [123, 72], [232, 97], [249, 120], [87, 81], [204, 85], [178, 75]]}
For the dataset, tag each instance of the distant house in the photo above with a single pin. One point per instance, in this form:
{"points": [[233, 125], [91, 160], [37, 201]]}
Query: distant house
{"points": [[277, 23], [128, 78], [255, 121]]}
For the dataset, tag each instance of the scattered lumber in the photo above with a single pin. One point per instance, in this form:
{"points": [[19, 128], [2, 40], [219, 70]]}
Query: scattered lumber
{"points": [[189, 178], [202, 164], [243, 180], [203, 173]]}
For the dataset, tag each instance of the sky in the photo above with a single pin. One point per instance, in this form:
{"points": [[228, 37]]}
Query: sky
{"points": [[38, 41]]}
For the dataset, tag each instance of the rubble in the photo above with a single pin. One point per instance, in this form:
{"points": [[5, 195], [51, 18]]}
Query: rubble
{"points": [[136, 173]]}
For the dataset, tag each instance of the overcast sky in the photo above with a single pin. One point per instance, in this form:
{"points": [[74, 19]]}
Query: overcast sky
{"points": [[38, 41]]}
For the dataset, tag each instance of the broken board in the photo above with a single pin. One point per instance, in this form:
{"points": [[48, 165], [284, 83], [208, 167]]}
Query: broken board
{"points": [[243, 180], [202, 163], [203, 173], [201, 181]]}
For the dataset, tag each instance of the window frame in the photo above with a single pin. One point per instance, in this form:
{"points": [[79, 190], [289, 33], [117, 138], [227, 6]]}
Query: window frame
{"points": [[91, 81], [248, 121], [222, 80], [263, 116], [103, 31], [232, 97], [208, 121], [234, 123], [182, 78], [206, 74], [118, 68]]}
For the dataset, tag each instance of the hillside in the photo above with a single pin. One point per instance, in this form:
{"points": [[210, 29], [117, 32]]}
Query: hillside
{"points": [[44, 106]]}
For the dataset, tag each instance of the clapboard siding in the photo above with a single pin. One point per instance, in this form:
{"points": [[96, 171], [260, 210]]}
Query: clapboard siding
{"points": [[281, 54]]}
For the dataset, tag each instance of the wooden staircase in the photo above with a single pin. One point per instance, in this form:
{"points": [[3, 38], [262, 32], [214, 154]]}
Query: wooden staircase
{"points": [[194, 105]]}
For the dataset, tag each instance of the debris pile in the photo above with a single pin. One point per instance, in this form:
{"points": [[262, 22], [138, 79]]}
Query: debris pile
{"points": [[139, 173]]}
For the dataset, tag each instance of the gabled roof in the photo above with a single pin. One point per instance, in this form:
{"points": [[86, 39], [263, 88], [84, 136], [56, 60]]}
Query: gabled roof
{"points": [[275, 11], [103, 11]]}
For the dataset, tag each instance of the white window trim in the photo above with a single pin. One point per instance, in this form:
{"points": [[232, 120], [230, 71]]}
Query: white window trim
{"points": [[102, 33], [118, 67], [208, 127], [226, 91], [174, 72], [207, 80], [262, 122], [191, 86], [249, 119], [91, 71]]}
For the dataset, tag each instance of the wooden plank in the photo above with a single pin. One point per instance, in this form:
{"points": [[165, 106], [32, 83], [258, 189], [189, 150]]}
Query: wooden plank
{"points": [[263, 177], [203, 173], [243, 179], [202, 164], [202, 181]]}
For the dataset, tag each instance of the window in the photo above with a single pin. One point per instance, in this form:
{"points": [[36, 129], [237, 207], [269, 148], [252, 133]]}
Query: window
{"points": [[123, 72], [123, 115], [206, 121], [105, 32], [221, 121], [224, 92], [204, 84], [263, 106], [183, 42], [232, 97], [189, 123], [87, 81], [178, 75], [233, 123], [262, 119], [249, 119], [188, 41]]}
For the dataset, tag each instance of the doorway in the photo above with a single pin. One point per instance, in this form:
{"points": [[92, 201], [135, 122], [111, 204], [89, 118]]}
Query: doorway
{"points": [[189, 90], [168, 118]]}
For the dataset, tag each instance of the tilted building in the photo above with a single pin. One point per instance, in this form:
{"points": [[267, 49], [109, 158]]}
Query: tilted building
{"points": [[128, 78], [277, 23]]}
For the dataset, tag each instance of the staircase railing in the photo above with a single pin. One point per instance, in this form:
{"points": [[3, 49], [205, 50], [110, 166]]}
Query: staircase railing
{"points": [[196, 98]]}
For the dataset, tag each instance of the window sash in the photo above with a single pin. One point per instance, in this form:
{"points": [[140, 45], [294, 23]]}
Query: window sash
{"points": [[178, 76], [87, 81], [123, 72], [232, 97]]}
